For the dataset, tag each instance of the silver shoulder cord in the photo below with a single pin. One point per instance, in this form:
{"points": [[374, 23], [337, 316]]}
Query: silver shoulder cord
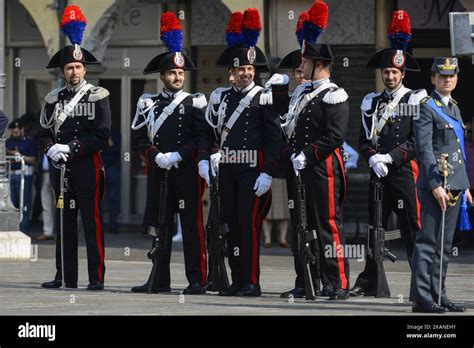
{"points": [[370, 134], [219, 112], [294, 102], [146, 118], [44, 122]]}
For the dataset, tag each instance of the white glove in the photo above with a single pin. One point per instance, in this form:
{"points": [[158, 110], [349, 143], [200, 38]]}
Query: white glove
{"points": [[215, 160], [203, 167], [380, 158], [380, 169], [299, 162], [56, 148], [59, 156], [277, 79], [168, 160], [262, 184]]}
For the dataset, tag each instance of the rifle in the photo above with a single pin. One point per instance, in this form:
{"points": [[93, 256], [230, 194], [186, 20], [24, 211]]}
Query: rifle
{"points": [[160, 235], [305, 238], [218, 232], [376, 248]]}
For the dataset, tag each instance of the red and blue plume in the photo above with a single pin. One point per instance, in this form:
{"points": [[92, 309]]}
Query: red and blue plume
{"points": [[251, 27], [73, 24], [304, 16], [399, 31], [233, 33], [171, 33], [317, 21]]}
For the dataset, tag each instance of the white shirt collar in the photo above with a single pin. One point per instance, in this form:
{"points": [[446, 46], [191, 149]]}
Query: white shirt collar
{"points": [[393, 93], [244, 90], [167, 94], [319, 82], [445, 98], [76, 88]]}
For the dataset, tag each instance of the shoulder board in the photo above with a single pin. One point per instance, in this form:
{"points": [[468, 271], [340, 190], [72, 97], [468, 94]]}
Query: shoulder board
{"points": [[146, 100], [454, 101], [266, 96], [52, 97], [98, 93], [335, 96], [425, 100], [417, 96], [199, 100], [215, 97], [367, 101]]}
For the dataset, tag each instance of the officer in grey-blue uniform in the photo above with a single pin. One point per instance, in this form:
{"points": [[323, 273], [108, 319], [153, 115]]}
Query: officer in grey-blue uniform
{"points": [[438, 130]]}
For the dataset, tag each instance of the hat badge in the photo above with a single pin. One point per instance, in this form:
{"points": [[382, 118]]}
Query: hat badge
{"points": [[178, 60], [398, 59], [77, 53], [251, 55]]}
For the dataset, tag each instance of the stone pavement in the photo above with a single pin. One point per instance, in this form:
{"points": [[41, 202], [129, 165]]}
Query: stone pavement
{"points": [[20, 293]]}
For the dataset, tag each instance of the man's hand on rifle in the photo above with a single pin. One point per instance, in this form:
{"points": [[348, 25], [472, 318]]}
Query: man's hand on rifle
{"points": [[379, 162], [203, 167], [442, 197], [215, 160], [299, 162]]}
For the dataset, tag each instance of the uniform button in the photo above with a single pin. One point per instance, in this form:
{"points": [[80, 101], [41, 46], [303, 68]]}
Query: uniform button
{"points": [[459, 151], [247, 115], [398, 128], [306, 136], [307, 119], [75, 130], [179, 142], [306, 127], [309, 110], [245, 139], [77, 122], [398, 135], [305, 144], [179, 118], [458, 140], [179, 133], [312, 103], [75, 137], [179, 126], [59, 131], [245, 131], [399, 120], [446, 126], [460, 162], [398, 144], [244, 147]]}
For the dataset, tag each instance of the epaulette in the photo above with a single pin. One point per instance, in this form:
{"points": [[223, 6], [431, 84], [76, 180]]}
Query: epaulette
{"points": [[199, 101], [417, 96], [425, 100], [266, 96], [52, 97], [367, 101], [215, 97], [335, 96], [98, 93], [454, 101]]}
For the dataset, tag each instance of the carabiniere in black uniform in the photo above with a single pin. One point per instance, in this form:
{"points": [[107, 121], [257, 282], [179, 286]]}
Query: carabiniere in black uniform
{"points": [[394, 139], [317, 130], [85, 131], [178, 133], [257, 132]]}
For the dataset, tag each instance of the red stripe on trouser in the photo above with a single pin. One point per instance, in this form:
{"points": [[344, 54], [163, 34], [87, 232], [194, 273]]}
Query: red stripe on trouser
{"points": [[332, 221], [202, 246], [254, 241], [414, 170], [98, 234], [341, 163]]}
